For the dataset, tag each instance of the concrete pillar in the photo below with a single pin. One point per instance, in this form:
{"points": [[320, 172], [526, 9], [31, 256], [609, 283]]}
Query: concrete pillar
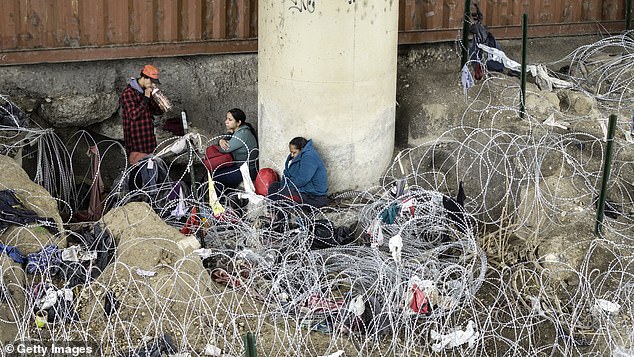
{"points": [[327, 72]]}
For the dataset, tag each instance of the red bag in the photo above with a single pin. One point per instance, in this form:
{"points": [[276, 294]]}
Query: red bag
{"points": [[478, 71], [214, 158], [264, 179]]}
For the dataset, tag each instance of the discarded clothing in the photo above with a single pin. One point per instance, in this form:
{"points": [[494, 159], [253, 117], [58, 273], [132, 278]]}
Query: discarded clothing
{"points": [[161, 346], [388, 215], [12, 252], [99, 247], [455, 208], [325, 235], [12, 211], [46, 260], [542, 78]]}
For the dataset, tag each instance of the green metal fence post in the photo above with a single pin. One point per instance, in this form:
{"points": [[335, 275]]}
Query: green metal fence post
{"points": [[523, 73], [607, 162], [249, 345], [466, 21]]}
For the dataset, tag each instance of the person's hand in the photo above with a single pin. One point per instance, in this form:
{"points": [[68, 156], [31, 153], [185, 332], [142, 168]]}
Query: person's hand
{"points": [[148, 92], [224, 144]]}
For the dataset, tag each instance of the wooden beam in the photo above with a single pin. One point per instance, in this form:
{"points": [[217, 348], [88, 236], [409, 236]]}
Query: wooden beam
{"points": [[81, 54]]}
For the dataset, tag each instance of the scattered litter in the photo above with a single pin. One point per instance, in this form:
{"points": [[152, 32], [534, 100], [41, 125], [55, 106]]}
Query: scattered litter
{"points": [[76, 254], [357, 306], [336, 354], [189, 243], [467, 80], [396, 245], [211, 350], [607, 306], [551, 121], [455, 338], [204, 253], [148, 273], [620, 351]]}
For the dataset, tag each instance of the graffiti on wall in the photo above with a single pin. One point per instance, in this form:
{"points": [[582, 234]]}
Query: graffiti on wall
{"points": [[308, 5], [303, 5]]}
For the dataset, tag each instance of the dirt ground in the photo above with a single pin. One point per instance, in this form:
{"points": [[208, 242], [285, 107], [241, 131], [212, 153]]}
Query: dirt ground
{"points": [[545, 223]]}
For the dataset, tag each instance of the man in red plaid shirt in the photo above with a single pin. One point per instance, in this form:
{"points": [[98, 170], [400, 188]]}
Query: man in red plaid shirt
{"points": [[137, 109]]}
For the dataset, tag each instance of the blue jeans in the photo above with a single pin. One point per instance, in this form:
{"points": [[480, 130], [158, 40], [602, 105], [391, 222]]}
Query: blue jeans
{"points": [[227, 177], [280, 191]]}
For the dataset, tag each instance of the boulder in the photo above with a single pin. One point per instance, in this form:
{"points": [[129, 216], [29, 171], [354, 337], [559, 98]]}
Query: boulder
{"points": [[34, 197], [156, 279], [13, 307], [541, 104], [79, 110], [576, 102]]}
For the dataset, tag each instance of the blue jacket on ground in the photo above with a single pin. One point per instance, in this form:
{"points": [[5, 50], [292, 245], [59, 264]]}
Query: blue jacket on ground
{"points": [[307, 171]]}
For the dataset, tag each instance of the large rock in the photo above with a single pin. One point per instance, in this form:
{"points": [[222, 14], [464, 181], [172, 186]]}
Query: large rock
{"points": [[155, 277], [13, 307], [541, 104], [111, 128], [576, 102], [34, 197], [79, 110]]}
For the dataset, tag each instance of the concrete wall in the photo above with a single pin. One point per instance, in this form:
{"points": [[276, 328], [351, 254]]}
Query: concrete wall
{"points": [[85, 94], [328, 73]]}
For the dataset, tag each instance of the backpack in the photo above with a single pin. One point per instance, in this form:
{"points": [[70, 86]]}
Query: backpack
{"points": [[481, 35], [214, 158], [264, 179], [149, 181], [326, 235]]}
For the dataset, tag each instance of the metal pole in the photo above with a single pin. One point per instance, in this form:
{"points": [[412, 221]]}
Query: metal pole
{"points": [[249, 345], [523, 74], [607, 163], [466, 21], [628, 15], [191, 148]]}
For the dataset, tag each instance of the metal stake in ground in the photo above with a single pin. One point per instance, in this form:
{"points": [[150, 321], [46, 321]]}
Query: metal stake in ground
{"points": [[249, 345], [523, 74], [192, 149], [607, 163], [466, 21]]}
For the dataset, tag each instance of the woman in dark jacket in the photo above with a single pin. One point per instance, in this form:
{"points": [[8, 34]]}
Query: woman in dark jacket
{"points": [[305, 178]]}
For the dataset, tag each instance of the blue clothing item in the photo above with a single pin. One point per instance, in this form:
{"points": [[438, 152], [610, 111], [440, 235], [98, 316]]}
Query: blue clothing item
{"points": [[13, 253], [227, 177], [307, 171], [47, 259], [279, 192], [134, 84]]}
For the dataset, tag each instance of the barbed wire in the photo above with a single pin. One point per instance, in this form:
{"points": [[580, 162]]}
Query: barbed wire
{"points": [[390, 270]]}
